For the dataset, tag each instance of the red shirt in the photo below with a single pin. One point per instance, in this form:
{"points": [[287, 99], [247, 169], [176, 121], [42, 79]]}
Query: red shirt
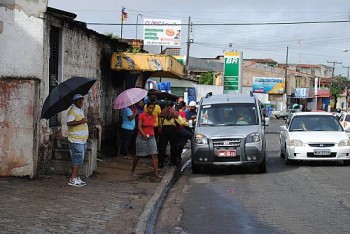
{"points": [[182, 113], [147, 123]]}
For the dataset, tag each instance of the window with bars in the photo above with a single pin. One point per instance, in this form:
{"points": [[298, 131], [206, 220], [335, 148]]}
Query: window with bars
{"points": [[53, 66]]}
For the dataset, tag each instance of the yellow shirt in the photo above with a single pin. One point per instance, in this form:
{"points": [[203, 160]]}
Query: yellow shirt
{"points": [[179, 120], [155, 113], [79, 133]]}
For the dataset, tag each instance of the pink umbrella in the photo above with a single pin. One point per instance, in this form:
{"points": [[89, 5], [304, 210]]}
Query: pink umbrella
{"points": [[129, 97]]}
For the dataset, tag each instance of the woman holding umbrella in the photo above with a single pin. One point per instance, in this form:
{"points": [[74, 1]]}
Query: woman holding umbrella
{"points": [[146, 141], [127, 127], [124, 101]]}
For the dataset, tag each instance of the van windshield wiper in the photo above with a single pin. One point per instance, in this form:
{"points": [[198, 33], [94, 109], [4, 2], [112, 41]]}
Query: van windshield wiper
{"points": [[226, 124], [207, 124]]}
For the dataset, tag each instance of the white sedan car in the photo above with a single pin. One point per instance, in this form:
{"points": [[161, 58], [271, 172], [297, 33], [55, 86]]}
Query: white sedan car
{"points": [[314, 136], [344, 120]]}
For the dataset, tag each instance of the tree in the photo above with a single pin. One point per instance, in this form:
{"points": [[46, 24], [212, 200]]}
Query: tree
{"points": [[339, 86], [207, 78]]}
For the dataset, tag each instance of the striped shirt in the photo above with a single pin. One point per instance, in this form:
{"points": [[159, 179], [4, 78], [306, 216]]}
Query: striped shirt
{"points": [[78, 133]]}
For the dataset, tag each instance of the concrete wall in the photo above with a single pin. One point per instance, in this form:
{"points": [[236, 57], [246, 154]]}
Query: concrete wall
{"points": [[21, 74]]}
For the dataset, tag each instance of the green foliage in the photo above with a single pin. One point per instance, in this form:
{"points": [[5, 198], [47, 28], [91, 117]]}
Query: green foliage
{"points": [[207, 78], [132, 49], [339, 85]]}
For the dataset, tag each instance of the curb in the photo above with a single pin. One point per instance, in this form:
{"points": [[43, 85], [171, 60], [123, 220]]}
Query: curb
{"points": [[144, 218]]}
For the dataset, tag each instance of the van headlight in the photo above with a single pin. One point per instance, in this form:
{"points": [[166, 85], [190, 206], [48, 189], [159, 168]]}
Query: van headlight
{"points": [[253, 137], [201, 139], [295, 142], [345, 142]]}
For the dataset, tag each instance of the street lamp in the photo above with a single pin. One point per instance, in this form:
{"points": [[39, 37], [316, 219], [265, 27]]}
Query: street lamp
{"points": [[137, 22], [345, 50]]}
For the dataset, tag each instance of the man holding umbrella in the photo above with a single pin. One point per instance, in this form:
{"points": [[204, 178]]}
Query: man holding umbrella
{"points": [[78, 134]]}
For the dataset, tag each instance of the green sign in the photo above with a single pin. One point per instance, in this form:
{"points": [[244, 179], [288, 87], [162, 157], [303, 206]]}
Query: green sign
{"points": [[232, 68]]}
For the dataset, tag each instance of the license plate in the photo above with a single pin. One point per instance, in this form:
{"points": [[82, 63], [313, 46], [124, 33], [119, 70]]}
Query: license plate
{"points": [[322, 152], [227, 153]]}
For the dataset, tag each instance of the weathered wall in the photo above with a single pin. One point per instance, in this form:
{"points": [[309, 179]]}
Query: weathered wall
{"points": [[21, 74], [21, 50], [17, 123]]}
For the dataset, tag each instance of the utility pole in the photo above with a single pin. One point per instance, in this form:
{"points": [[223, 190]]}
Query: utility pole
{"points": [[333, 67], [285, 78], [347, 90], [187, 70], [330, 87]]}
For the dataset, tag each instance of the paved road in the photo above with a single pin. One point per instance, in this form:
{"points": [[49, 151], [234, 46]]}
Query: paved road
{"points": [[301, 198]]}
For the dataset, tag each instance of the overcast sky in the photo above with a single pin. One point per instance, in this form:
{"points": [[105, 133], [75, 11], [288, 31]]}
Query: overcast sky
{"points": [[308, 43]]}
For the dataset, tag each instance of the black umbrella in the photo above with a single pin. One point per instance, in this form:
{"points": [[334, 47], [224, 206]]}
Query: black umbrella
{"points": [[162, 95], [61, 96]]}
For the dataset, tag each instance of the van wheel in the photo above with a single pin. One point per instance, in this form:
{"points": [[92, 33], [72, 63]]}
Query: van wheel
{"points": [[262, 166], [195, 168]]}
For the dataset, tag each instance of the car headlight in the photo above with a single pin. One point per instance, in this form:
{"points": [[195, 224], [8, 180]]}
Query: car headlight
{"points": [[295, 143], [253, 137], [200, 139], [345, 142]]}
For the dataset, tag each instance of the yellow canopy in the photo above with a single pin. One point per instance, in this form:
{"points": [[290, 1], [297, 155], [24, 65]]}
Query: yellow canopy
{"points": [[162, 65]]}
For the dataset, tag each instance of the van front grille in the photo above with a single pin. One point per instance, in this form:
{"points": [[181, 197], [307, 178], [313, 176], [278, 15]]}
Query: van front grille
{"points": [[235, 142]]}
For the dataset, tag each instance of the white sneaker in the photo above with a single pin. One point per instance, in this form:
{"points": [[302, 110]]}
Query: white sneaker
{"points": [[74, 182], [82, 182]]}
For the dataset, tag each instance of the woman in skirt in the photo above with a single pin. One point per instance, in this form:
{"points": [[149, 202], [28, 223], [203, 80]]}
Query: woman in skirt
{"points": [[145, 141]]}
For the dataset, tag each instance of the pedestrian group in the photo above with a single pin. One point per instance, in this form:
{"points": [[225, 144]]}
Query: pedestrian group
{"points": [[146, 129]]}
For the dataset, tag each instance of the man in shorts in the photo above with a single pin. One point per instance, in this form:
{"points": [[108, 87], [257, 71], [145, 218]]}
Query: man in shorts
{"points": [[78, 134]]}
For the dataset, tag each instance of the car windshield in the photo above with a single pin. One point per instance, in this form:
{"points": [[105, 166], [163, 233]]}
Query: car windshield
{"points": [[314, 123], [232, 114]]}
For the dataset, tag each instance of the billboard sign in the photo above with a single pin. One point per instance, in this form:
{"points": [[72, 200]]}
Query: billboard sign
{"points": [[232, 72], [162, 32], [270, 85]]}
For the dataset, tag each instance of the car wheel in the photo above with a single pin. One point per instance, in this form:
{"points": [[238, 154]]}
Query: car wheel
{"points": [[262, 166], [282, 153], [286, 159], [277, 117], [346, 162], [195, 168]]}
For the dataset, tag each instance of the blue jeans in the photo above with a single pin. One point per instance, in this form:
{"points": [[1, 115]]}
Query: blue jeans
{"points": [[126, 141], [77, 153]]}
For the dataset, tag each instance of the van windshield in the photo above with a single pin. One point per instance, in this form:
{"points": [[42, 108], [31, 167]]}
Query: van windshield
{"points": [[228, 114]]}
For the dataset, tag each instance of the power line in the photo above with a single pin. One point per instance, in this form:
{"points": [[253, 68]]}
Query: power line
{"points": [[239, 24]]}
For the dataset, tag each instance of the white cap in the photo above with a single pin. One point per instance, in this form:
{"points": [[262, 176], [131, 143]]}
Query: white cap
{"points": [[192, 103], [77, 96]]}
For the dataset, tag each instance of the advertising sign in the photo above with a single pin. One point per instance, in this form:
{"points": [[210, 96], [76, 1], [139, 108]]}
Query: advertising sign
{"points": [[162, 32], [232, 72], [302, 92], [270, 85]]}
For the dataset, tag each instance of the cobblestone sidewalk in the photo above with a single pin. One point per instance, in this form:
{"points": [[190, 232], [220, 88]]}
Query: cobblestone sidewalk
{"points": [[111, 202]]}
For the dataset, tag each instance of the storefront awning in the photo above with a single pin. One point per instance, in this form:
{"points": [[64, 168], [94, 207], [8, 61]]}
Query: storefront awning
{"points": [[160, 65]]}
